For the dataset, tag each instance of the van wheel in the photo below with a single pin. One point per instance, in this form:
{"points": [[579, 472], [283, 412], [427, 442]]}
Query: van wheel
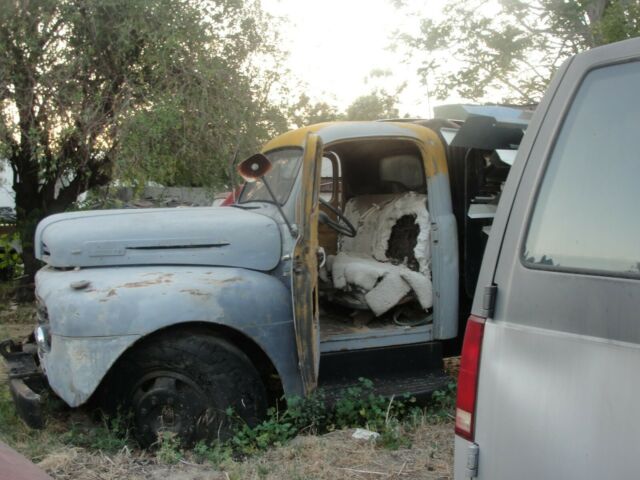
{"points": [[187, 385]]}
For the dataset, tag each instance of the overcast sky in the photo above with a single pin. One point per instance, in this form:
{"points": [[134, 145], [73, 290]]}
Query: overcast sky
{"points": [[334, 45]]}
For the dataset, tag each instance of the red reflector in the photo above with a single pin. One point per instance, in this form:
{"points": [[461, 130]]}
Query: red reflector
{"points": [[468, 377]]}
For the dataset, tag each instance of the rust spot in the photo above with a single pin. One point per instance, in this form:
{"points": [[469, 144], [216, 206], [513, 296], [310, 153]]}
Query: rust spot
{"points": [[213, 281], [195, 292], [163, 278]]}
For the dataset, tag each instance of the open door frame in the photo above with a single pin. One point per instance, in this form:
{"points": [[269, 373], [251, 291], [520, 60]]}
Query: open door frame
{"points": [[305, 266]]}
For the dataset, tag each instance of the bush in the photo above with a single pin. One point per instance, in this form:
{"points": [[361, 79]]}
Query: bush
{"points": [[10, 260]]}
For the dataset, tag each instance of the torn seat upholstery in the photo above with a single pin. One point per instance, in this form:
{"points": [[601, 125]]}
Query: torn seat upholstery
{"points": [[366, 263]]}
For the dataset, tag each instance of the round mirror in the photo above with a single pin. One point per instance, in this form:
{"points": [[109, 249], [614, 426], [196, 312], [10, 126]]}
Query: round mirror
{"points": [[254, 167]]}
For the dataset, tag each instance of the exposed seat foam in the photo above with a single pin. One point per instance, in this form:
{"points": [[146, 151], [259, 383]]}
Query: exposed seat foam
{"points": [[362, 261]]}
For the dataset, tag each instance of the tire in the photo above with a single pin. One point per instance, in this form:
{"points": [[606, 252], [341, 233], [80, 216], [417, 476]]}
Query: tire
{"points": [[186, 383]]}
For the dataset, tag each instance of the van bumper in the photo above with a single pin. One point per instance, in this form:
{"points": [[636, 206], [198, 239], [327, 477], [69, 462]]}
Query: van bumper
{"points": [[461, 466], [26, 381]]}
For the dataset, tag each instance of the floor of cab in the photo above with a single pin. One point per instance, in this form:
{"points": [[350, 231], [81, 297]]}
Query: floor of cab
{"points": [[338, 332]]}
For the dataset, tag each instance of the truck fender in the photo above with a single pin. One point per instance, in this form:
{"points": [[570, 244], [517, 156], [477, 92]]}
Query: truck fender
{"points": [[92, 327]]}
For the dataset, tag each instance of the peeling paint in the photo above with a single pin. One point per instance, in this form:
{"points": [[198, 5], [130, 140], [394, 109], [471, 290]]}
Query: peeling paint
{"points": [[196, 293], [211, 281], [164, 278]]}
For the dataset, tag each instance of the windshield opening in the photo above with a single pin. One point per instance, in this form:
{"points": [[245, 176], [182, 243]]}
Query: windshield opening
{"points": [[281, 177]]}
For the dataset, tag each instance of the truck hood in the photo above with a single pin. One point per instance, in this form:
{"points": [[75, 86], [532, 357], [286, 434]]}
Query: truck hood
{"points": [[216, 236]]}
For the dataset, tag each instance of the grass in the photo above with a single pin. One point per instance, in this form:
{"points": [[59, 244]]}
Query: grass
{"points": [[395, 419]]}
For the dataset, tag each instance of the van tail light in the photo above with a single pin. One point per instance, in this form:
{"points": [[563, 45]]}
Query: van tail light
{"points": [[468, 377]]}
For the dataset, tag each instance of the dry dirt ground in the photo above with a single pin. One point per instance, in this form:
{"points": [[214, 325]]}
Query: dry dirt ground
{"points": [[332, 456]]}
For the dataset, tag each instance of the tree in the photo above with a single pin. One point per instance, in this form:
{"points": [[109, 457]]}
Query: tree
{"points": [[305, 112], [512, 51], [376, 105], [142, 88]]}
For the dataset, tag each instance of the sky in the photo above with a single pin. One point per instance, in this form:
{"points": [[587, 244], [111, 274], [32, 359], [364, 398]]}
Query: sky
{"points": [[335, 44]]}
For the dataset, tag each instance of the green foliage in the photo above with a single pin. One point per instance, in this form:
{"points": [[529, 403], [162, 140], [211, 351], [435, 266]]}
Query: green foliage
{"points": [[276, 430], [510, 51], [11, 265], [305, 112], [139, 90], [309, 414], [394, 436], [169, 448], [217, 453], [110, 436], [620, 20], [360, 406], [357, 406], [376, 105], [443, 403]]}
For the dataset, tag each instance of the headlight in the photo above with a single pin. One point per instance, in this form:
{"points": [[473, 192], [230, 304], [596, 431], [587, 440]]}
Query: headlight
{"points": [[43, 337]]}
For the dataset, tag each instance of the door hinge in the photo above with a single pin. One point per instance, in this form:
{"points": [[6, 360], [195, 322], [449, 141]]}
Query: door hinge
{"points": [[473, 453], [435, 236], [489, 300]]}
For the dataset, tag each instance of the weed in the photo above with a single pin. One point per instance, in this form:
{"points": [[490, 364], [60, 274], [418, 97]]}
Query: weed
{"points": [[442, 404], [169, 448], [216, 453], [275, 430], [394, 436], [110, 436], [303, 415], [358, 406], [309, 414]]}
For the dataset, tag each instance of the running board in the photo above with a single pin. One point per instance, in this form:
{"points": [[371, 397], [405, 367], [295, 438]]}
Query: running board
{"points": [[415, 369], [418, 386]]}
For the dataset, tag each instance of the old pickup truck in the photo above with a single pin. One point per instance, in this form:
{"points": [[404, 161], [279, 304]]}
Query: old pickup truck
{"points": [[342, 257]]}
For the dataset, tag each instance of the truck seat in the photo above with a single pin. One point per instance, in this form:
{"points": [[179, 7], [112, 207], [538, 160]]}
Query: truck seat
{"points": [[389, 258]]}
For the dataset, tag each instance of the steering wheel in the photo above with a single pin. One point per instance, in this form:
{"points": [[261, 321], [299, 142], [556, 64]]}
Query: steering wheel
{"points": [[342, 225]]}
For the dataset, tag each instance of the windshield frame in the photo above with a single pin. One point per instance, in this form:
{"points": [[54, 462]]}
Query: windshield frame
{"points": [[242, 201]]}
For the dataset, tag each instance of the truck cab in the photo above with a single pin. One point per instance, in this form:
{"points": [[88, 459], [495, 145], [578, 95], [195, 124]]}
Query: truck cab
{"points": [[340, 259]]}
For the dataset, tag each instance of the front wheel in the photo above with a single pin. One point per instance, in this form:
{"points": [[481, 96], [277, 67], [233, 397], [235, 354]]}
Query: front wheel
{"points": [[192, 385]]}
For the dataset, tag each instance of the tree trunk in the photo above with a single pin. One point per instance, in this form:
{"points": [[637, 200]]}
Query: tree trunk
{"points": [[25, 290], [28, 214]]}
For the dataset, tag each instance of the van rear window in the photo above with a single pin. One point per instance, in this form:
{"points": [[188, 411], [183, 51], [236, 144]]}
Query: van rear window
{"points": [[586, 216]]}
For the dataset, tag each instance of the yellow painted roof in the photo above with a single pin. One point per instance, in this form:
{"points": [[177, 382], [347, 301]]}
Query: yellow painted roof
{"points": [[331, 132]]}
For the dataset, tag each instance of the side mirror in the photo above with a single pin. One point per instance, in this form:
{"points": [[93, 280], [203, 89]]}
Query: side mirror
{"points": [[254, 167]]}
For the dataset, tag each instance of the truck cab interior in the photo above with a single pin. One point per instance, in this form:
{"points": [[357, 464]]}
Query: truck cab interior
{"points": [[375, 281]]}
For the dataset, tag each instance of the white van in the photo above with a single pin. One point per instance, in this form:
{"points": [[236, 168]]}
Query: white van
{"points": [[550, 371]]}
